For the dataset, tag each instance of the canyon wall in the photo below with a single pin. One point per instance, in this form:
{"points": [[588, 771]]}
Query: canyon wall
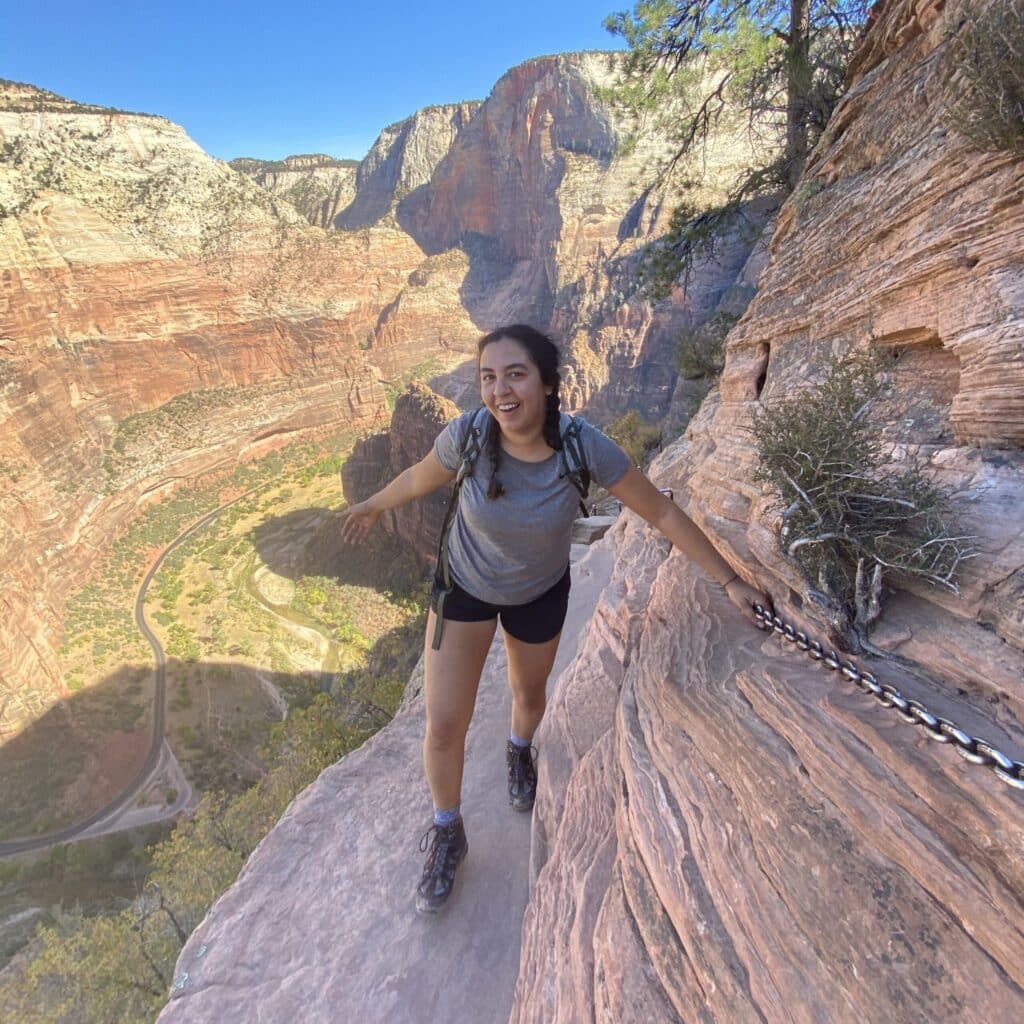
{"points": [[419, 416], [725, 830], [728, 831], [163, 315], [402, 159], [160, 317]]}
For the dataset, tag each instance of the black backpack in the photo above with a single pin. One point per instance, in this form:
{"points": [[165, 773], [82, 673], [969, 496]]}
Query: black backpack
{"points": [[574, 466]]}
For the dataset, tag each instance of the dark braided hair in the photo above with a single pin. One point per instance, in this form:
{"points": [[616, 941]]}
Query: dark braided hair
{"points": [[544, 354]]}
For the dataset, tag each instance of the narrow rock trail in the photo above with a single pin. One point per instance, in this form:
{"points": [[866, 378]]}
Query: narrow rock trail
{"points": [[321, 924]]}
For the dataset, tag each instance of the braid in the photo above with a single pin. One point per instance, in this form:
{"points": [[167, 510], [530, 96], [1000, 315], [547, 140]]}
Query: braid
{"points": [[553, 421], [493, 445]]}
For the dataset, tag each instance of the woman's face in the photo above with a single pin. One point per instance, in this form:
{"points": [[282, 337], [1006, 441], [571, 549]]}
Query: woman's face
{"points": [[511, 388]]}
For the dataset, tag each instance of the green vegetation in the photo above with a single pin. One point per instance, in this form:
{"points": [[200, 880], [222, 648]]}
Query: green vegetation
{"points": [[635, 436], [695, 67], [100, 637], [424, 372], [988, 49], [171, 425], [700, 351], [850, 515]]}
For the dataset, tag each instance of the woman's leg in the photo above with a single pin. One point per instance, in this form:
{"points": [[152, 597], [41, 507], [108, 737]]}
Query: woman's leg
{"points": [[451, 678], [529, 666]]}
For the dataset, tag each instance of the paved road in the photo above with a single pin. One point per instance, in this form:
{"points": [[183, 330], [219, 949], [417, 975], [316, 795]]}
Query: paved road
{"points": [[99, 822]]}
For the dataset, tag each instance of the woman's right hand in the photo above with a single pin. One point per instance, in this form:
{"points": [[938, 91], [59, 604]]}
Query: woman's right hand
{"points": [[359, 520]]}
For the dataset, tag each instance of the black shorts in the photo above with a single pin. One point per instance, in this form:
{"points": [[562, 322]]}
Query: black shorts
{"points": [[535, 622]]}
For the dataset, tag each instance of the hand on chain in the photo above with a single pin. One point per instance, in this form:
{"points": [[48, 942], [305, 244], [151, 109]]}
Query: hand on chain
{"points": [[358, 521]]}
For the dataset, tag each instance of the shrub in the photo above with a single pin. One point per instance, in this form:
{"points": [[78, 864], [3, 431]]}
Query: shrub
{"points": [[849, 516], [636, 436], [700, 351], [988, 49]]}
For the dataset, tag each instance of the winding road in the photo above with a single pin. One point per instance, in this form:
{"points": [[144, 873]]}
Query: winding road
{"points": [[108, 818]]}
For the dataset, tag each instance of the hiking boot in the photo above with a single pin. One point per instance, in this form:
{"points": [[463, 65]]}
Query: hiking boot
{"points": [[522, 776], [446, 852]]}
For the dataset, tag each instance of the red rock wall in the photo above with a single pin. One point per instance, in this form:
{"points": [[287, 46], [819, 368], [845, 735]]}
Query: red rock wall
{"points": [[419, 416], [728, 832], [106, 313]]}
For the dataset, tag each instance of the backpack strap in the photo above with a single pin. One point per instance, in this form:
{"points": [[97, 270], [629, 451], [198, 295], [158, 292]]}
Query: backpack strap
{"points": [[469, 450], [574, 462]]}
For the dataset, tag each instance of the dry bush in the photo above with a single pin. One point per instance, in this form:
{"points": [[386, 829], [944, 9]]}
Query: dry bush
{"points": [[988, 48], [634, 435], [850, 516]]}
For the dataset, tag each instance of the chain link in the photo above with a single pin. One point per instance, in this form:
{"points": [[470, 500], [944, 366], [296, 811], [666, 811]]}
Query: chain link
{"points": [[942, 730]]}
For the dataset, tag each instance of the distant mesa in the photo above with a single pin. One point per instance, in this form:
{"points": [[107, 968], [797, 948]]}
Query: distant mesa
{"points": [[20, 97], [302, 162]]}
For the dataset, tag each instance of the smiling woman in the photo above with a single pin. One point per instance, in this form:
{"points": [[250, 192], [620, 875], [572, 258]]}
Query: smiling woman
{"points": [[508, 553]]}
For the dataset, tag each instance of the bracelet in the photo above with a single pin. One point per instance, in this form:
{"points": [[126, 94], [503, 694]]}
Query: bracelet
{"points": [[725, 585]]}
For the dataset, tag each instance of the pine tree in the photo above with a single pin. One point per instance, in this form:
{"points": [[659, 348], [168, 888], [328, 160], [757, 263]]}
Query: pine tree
{"points": [[690, 62]]}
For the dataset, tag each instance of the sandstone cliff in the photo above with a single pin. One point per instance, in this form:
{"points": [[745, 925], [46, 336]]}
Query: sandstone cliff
{"points": [[401, 160], [727, 831], [764, 841], [419, 416], [533, 214], [318, 186], [552, 216]]}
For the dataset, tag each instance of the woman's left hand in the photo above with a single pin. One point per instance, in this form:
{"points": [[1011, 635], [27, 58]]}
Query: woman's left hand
{"points": [[744, 596]]}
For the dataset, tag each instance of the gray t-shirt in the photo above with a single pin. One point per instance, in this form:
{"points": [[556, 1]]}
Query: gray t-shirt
{"points": [[512, 549]]}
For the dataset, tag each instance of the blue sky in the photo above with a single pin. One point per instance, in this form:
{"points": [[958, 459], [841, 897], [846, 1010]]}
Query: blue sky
{"points": [[268, 80]]}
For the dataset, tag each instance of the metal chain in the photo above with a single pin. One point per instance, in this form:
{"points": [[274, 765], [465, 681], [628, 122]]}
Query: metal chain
{"points": [[942, 730]]}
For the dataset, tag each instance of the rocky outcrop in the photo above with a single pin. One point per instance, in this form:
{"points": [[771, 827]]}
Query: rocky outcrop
{"points": [[318, 186], [340, 940], [401, 160], [552, 217], [419, 416], [728, 831]]}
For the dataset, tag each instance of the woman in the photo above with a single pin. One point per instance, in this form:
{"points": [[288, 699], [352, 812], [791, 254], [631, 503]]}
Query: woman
{"points": [[509, 555]]}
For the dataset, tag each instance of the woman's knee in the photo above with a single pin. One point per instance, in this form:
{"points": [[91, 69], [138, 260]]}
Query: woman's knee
{"points": [[529, 693], [445, 732]]}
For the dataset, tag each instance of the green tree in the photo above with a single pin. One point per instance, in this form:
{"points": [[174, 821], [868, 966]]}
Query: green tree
{"points": [[634, 435], [690, 62]]}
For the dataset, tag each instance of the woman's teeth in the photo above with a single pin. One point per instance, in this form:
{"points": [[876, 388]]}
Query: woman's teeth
{"points": [[507, 406]]}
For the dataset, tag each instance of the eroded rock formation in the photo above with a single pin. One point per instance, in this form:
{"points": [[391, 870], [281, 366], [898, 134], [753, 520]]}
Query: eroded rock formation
{"points": [[160, 317], [401, 160], [729, 832], [419, 416]]}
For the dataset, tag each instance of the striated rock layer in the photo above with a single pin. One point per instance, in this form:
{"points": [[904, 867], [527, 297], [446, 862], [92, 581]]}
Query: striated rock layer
{"points": [[727, 831], [401, 160], [160, 317], [318, 186]]}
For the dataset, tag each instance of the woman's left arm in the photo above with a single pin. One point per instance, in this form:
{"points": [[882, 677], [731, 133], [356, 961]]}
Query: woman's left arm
{"points": [[637, 493]]}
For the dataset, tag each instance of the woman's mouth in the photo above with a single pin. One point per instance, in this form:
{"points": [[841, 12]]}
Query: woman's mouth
{"points": [[507, 406]]}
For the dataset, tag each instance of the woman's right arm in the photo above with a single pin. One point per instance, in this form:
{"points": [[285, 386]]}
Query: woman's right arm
{"points": [[425, 477]]}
